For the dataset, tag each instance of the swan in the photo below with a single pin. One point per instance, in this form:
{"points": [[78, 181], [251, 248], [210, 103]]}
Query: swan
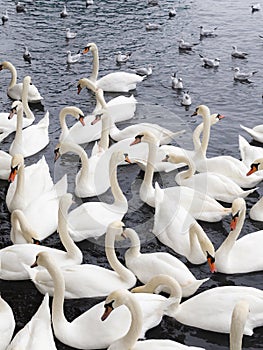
{"points": [[65, 131], [7, 126], [256, 132], [14, 90], [21, 232], [87, 331], [200, 310], [200, 205], [238, 323], [91, 219], [256, 212], [27, 183], [122, 297], [238, 255], [248, 152], [226, 165], [64, 13], [215, 185], [177, 229], [32, 139], [7, 323], [147, 265], [37, 333], [112, 82], [5, 160], [87, 280], [15, 258]]}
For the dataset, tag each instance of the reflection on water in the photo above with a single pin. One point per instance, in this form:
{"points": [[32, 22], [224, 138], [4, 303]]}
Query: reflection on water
{"points": [[120, 26]]}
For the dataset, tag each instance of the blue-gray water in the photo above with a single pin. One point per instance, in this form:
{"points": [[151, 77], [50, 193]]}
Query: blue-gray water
{"points": [[120, 25]]}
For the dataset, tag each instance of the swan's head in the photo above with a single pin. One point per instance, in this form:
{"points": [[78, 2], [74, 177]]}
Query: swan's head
{"points": [[118, 157], [90, 47], [117, 229], [43, 259], [4, 65], [145, 136], [16, 162], [27, 80], [115, 299], [238, 206], [216, 117], [202, 110], [85, 82], [256, 166], [74, 111], [174, 158], [15, 107]]}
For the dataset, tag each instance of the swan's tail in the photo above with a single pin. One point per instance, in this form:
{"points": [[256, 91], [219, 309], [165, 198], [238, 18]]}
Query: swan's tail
{"points": [[244, 194], [191, 287], [44, 122], [250, 131], [61, 186], [159, 193]]}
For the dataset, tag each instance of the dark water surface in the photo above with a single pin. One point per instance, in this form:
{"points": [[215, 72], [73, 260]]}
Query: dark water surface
{"points": [[120, 25]]}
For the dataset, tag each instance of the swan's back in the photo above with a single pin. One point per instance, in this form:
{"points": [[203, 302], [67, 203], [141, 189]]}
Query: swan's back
{"points": [[119, 82]]}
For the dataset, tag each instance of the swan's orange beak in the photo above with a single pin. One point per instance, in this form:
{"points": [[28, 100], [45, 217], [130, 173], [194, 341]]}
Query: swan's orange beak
{"points": [[252, 170], [108, 310], [79, 89], [35, 241], [12, 113], [127, 159], [12, 174], [220, 116], [97, 119], [166, 159], [86, 49], [81, 119], [211, 263], [233, 223]]}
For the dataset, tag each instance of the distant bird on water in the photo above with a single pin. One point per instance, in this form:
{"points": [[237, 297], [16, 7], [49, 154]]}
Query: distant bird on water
{"points": [[207, 32], [172, 12], [73, 58], [122, 57], [27, 55], [5, 17], [20, 7], [184, 45], [64, 12], [89, 2], [69, 34], [238, 54], [144, 71], [177, 83], [255, 7], [242, 76], [209, 62]]}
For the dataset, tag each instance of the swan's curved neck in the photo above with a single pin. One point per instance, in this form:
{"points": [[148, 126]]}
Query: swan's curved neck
{"points": [[20, 189], [118, 195], [12, 69], [198, 239], [238, 322], [104, 139], [148, 176], [134, 250], [229, 242], [206, 132], [121, 270], [186, 174], [95, 65], [197, 136], [26, 108], [130, 339], [73, 147], [72, 249], [62, 119], [21, 227]]}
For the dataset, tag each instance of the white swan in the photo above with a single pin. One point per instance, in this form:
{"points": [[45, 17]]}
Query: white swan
{"points": [[21, 231], [91, 219], [256, 132], [7, 126], [65, 131], [37, 333], [256, 212], [87, 280], [147, 265], [200, 205], [177, 229], [239, 255], [14, 90], [87, 331], [226, 165], [5, 160], [27, 183], [248, 152], [112, 82], [200, 310], [15, 257], [32, 139], [215, 185], [7, 323], [122, 297], [238, 323]]}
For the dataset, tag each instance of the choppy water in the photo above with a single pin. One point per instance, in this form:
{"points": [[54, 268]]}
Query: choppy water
{"points": [[120, 25]]}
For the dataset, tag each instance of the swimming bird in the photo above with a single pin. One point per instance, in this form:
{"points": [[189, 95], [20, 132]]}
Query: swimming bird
{"points": [[209, 62], [89, 2], [122, 57], [238, 54], [255, 7], [144, 71], [73, 58], [152, 26], [5, 17], [69, 34], [27, 55], [242, 76], [172, 12], [177, 83], [207, 32], [20, 7], [186, 100], [64, 12], [256, 132], [184, 45]]}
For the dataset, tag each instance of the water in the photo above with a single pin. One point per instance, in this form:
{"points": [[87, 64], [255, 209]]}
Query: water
{"points": [[120, 25]]}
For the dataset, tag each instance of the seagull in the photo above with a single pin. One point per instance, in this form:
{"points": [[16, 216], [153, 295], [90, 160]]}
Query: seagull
{"points": [[27, 55], [255, 7], [177, 83], [207, 32], [261, 36], [64, 13], [186, 100], [209, 62], [238, 54], [242, 76], [152, 26], [172, 12], [73, 58], [89, 2], [20, 7], [122, 57], [183, 45], [144, 71], [5, 17], [69, 34]]}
